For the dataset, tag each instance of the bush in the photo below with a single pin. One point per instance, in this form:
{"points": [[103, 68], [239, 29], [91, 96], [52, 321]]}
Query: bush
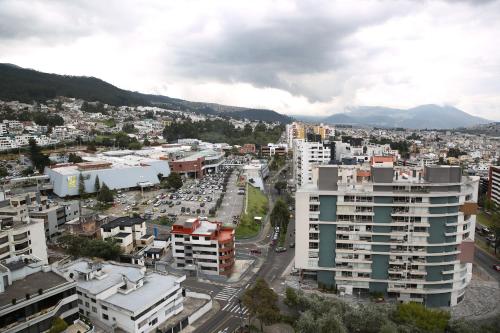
{"points": [[58, 325]]}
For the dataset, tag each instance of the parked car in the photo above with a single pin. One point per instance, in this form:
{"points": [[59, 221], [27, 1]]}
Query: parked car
{"points": [[496, 267], [280, 249], [292, 245]]}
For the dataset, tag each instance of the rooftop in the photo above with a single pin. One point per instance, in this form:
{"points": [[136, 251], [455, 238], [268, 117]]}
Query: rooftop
{"points": [[122, 235], [199, 154], [113, 275], [154, 288], [30, 285], [124, 221]]}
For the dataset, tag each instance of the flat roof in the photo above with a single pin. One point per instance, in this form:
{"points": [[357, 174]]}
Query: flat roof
{"points": [[30, 285], [199, 154], [154, 288], [114, 275]]}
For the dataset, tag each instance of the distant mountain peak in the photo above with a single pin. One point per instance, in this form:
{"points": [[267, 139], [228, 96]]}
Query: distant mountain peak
{"points": [[430, 116]]}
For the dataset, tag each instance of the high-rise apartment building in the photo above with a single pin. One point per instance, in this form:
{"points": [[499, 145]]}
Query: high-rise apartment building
{"points": [[494, 185], [305, 156], [405, 232]]}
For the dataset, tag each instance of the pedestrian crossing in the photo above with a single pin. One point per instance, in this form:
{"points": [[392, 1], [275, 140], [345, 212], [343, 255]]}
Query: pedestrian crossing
{"points": [[227, 294], [235, 308]]}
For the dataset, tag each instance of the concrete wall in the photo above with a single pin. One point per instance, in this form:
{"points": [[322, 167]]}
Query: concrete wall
{"points": [[201, 311], [327, 178]]}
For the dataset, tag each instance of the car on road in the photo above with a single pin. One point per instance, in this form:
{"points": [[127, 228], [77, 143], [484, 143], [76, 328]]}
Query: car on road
{"points": [[496, 267], [280, 249], [255, 251], [292, 245]]}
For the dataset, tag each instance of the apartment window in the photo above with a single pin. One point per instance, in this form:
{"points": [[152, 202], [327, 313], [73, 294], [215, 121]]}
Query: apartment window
{"points": [[79, 292], [93, 300], [153, 322], [94, 309], [313, 245], [195, 237], [87, 304], [105, 316], [80, 301], [104, 307]]}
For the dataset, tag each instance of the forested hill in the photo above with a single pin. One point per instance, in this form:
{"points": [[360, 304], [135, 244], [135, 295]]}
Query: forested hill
{"points": [[27, 85]]}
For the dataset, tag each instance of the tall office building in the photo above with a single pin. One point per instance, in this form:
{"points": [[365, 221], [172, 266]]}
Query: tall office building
{"points": [[405, 232]]}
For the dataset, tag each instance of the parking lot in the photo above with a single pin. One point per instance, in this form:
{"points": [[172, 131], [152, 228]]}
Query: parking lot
{"points": [[194, 198], [233, 202]]}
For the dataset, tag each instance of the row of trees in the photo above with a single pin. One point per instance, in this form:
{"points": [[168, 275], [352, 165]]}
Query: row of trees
{"points": [[104, 194], [222, 131], [312, 314]]}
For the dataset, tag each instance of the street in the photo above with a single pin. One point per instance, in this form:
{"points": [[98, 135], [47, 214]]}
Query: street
{"points": [[233, 314]]}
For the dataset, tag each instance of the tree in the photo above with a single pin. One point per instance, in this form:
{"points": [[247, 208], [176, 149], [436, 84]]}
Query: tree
{"points": [[73, 158], [135, 145], [128, 128], [97, 184], [79, 246], [105, 194], [261, 302], [81, 185], [38, 159], [146, 142], [27, 172], [424, 319], [280, 186], [91, 147], [3, 172], [58, 325], [291, 297], [280, 216], [174, 181], [496, 229]]}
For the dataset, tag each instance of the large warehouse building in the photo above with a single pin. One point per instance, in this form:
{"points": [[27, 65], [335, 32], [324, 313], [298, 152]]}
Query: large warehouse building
{"points": [[116, 170]]}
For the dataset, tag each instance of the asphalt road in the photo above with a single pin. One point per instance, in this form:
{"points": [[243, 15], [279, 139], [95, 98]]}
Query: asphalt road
{"points": [[232, 315], [486, 261]]}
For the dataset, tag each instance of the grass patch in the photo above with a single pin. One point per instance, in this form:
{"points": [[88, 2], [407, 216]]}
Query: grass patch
{"points": [[257, 206], [484, 219]]}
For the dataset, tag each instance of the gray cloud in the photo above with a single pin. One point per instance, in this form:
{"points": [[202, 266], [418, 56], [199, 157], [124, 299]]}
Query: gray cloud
{"points": [[281, 52], [331, 52]]}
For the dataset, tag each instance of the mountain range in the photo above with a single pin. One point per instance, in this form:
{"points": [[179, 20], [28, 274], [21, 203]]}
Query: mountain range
{"points": [[428, 116], [27, 85]]}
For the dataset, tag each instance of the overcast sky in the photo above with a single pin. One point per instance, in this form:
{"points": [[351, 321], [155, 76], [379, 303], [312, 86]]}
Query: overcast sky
{"points": [[302, 57]]}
